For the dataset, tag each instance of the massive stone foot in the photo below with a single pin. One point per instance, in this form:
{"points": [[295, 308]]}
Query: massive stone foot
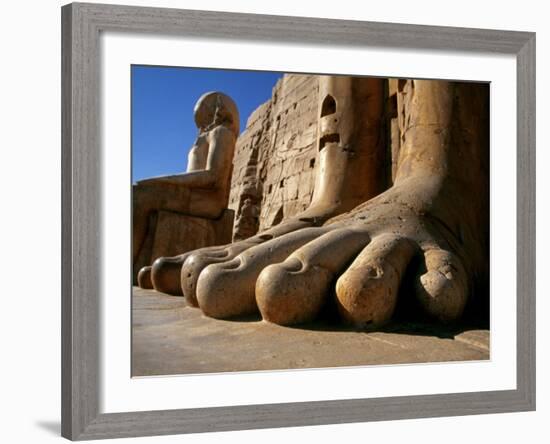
{"points": [[360, 259], [425, 237]]}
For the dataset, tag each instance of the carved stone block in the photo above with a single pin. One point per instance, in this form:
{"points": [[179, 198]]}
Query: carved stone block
{"points": [[174, 233]]}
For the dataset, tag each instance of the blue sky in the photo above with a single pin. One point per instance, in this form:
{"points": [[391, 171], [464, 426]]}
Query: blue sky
{"points": [[163, 98]]}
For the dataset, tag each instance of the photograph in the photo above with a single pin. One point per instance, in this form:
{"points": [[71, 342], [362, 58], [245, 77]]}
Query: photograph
{"points": [[275, 222], [286, 221]]}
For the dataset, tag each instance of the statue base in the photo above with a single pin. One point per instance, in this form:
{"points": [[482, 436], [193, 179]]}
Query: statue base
{"points": [[172, 233]]}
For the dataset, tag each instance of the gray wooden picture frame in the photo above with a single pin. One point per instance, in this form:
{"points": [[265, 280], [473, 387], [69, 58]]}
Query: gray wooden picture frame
{"points": [[81, 175]]}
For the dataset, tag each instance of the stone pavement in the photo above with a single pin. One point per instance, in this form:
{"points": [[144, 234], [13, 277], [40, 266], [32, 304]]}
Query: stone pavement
{"points": [[172, 338]]}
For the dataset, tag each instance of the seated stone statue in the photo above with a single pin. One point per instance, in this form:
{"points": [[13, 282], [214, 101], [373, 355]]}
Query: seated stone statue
{"points": [[203, 191]]}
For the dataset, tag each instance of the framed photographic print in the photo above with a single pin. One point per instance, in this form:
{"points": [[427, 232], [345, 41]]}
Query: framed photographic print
{"points": [[266, 217]]}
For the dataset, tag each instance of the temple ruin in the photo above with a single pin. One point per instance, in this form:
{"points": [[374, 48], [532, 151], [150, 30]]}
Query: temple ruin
{"points": [[354, 193]]}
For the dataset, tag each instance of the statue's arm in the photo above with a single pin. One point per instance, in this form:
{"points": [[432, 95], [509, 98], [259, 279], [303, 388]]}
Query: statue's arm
{"points": [[218, 163]]}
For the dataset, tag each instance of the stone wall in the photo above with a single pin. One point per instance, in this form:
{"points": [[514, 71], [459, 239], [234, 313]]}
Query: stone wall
{"points": [[275, 156], [274, 163]]}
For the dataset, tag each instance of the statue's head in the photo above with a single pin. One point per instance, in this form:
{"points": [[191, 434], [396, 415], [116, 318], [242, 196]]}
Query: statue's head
{"points": [[214, 109]]}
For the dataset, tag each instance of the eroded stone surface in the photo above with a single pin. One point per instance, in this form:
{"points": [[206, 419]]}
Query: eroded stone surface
{"points": [[276, 155], [247, 221]]}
